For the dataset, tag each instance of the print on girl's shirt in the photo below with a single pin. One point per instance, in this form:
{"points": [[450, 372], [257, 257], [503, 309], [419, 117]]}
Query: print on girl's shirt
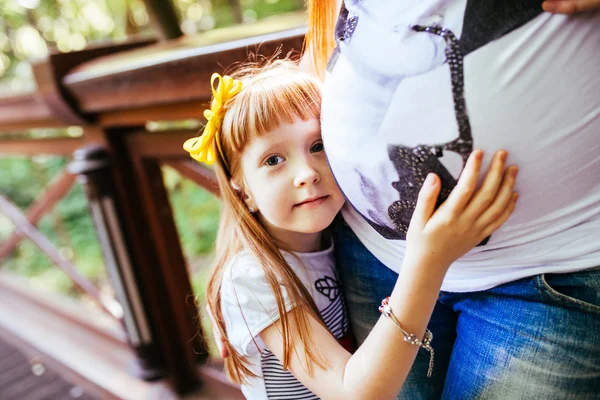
{"points": [[280, 384]]}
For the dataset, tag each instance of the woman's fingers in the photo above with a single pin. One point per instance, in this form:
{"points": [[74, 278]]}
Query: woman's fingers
{"points": [[462, 192], [486, 194], [570, 6], [497, 223], [426, 201], [502, 198]]}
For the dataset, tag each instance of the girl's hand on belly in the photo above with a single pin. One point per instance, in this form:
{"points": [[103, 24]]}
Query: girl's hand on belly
{"points": [[470, 214]]}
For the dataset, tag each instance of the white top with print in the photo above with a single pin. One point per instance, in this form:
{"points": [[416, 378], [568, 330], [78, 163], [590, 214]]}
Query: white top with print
{"points": [[249, 307], [389, 103]]}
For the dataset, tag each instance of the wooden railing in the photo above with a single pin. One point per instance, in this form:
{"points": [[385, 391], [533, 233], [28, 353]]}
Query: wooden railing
{"points": [[25, 228], [112, 93]]}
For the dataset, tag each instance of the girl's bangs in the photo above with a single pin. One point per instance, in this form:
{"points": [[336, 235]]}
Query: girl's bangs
{"points": [[270, 99]]}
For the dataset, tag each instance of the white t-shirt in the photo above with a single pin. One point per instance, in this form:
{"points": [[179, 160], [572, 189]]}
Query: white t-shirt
{"points": [[534, 91], [249, 307]]}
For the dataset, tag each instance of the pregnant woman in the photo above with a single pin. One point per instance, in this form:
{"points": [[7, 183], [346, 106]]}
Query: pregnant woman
{"points": [[412, 87]]}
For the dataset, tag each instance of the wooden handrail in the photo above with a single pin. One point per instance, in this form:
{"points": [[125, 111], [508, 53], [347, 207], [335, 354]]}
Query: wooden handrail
{"points": [[199, 174], [88, 86], [30, 147], [26, 110], [161, 145], [50, 105], [171, 73]]}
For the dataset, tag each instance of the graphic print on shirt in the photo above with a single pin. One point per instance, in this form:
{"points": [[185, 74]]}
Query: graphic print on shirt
{"points": [[281, 384], [386, 194], [414, 163]]}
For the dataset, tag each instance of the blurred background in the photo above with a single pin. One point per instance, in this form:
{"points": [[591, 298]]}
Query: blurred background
{"points": [[30, 31]]}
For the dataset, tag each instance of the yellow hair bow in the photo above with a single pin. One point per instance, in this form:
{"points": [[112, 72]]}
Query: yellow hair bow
{"points": [[202, 148]]}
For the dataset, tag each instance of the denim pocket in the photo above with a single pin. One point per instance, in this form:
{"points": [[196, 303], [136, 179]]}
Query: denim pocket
{"points": [[575, 289]]}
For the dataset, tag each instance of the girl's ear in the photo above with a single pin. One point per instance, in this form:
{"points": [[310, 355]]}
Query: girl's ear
{"points": [[245, 197]]}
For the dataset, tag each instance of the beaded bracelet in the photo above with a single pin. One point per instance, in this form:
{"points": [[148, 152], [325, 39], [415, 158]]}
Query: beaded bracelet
{"points": [[386, 310]]}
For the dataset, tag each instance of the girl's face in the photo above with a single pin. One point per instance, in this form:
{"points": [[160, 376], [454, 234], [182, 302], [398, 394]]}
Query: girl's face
{"points": [[288, 180]]}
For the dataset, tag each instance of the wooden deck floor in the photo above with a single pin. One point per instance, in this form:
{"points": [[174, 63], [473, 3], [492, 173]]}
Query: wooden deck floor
{"points": [[22, 378], [78, 358]]}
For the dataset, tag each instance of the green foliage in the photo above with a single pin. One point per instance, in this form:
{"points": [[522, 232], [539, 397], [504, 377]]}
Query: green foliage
{"points": [[30, 29], [196, 214], [70, 228], [253, 10]]}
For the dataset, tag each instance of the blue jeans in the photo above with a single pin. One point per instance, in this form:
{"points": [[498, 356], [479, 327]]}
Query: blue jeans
{"points": [[535, 338]]}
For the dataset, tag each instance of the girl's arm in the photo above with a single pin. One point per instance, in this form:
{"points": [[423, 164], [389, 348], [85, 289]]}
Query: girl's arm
{"points": [[435, 239]]}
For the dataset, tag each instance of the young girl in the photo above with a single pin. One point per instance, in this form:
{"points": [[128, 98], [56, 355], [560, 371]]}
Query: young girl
{"points": [[273, 292]]}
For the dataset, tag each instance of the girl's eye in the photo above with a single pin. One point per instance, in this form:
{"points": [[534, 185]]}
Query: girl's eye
{"points": [[273, 160], [317, 147]]}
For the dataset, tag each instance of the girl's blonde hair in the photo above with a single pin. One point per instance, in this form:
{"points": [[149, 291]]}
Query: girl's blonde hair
{"points": [[271, 95], [319, 41]]}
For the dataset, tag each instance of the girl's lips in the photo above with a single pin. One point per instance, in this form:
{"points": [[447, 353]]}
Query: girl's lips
{"points": [[311, 203]]}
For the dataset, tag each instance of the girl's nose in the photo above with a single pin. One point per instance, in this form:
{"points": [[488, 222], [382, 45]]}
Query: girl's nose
{"points": [[306, 174]]}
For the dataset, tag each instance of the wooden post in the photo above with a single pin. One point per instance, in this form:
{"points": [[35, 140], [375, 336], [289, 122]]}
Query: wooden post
{"points": [[92, 165], [158, 262], [236, 10], [164, 18]]}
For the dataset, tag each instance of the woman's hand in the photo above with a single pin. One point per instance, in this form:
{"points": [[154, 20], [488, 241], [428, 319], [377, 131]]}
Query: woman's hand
{"points": [[570, 6], [469, 215]]}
